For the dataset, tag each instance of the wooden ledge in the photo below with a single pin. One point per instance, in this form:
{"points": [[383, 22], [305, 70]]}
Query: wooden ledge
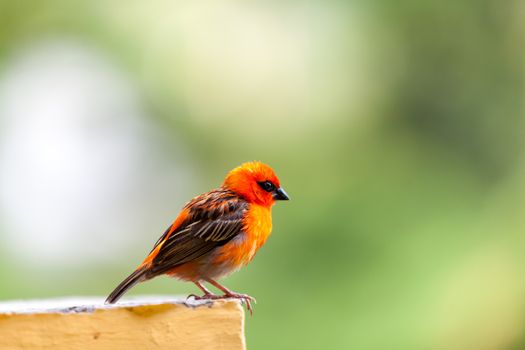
{"points": [[140, 323]]}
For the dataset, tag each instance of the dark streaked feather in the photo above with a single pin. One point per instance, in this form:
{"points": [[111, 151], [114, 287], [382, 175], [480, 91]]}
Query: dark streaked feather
{"points": [[136, 277], [161, 238], [213, 220]]}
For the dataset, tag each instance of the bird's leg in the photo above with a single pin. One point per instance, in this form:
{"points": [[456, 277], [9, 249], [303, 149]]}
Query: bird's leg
{"points": [[207, 293], [231, 294]]}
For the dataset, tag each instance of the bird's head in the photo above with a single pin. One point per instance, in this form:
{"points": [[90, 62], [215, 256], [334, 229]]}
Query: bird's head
{"points": [[256, 182]]}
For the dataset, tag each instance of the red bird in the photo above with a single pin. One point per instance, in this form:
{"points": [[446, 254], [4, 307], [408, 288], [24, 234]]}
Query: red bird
{"points": [[215, 234]]}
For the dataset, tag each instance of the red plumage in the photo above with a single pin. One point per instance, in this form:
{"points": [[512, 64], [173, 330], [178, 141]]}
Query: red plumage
{"points": [[215, 234]]}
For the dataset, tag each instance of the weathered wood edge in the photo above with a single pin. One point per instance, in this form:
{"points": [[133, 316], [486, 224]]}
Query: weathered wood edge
{"points": [[68, 305]]}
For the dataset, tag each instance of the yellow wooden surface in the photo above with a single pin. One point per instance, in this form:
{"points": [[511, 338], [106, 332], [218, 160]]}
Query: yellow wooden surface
{"points": [[164, 325]]}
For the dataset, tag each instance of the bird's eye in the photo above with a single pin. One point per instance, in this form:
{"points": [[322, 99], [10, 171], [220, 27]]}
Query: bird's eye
{"points": [[267, 186]]}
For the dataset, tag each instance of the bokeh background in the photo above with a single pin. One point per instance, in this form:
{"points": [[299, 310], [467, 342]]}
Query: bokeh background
{"points": [[396, 127]]}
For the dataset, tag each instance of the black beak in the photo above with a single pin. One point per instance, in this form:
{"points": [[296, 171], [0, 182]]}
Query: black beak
{"points": [[280, 195]]}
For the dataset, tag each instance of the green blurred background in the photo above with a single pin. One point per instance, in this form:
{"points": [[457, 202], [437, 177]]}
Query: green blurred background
{"points": [[396, 127]]}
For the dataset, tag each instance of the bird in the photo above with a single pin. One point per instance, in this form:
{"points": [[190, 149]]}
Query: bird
{"points": [[215, 234]]}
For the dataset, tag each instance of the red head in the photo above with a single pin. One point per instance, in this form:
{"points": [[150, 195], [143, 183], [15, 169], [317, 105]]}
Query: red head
{"points": [[255, 182]]}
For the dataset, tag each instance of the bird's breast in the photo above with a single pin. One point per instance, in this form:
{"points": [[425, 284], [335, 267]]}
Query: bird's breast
{"points": [[257, 226]]}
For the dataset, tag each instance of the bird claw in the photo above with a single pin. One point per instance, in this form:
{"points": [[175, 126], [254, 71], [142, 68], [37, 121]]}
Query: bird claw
{"points": [[248, 305], [203, 297], [244, 298]]}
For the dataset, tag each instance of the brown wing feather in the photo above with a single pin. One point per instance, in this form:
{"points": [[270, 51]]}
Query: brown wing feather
{"points": [[213, 220]]}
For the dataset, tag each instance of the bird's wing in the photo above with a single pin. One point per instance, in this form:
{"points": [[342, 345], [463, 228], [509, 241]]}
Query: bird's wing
{"points": [[207, 222]]}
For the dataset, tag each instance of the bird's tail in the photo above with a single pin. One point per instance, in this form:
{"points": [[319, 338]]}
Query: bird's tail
{"points": [[138, 276]]}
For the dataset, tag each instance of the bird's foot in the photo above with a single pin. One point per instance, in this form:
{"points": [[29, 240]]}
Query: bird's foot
{"points": [[243, 298], [206, 296]]}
